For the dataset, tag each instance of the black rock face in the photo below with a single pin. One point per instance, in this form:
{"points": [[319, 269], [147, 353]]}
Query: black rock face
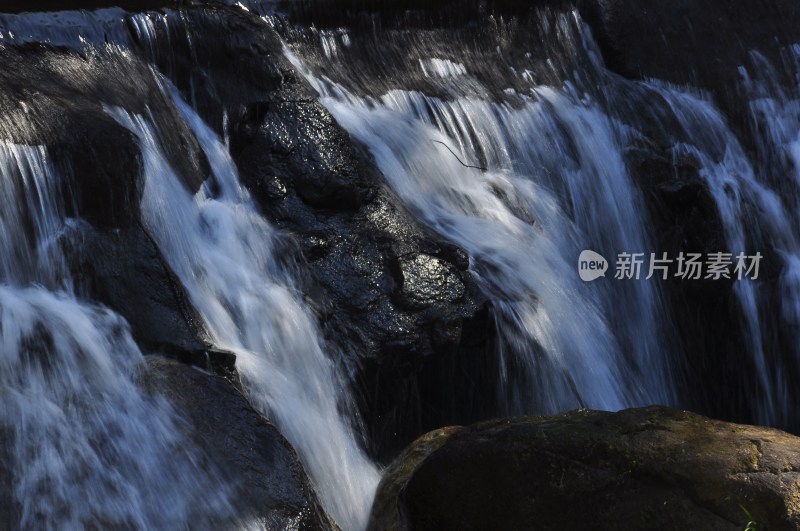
{"points": [[124, 269], [271, 486]]}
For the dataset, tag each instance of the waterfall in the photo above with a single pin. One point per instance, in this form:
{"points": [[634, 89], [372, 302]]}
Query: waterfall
{"points": [[227, 257], [524, 164], [83, 445], [526, 180], [753, 217], [524, 190]]}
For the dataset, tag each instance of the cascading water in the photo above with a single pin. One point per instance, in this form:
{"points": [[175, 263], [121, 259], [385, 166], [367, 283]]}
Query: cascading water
{"points": [[740, 197], [225, 254], [525, 183], [86, 446], [554, 183], [523, 178]]}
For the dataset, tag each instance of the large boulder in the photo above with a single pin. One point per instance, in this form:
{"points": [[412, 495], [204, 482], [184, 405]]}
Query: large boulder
{"points": [[648, 468], [271, 485], [124, 269]]}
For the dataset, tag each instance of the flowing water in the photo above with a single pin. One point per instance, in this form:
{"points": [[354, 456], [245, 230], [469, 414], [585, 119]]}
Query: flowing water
{"points": [[524, 219], [86, 447], [523, 178], [526, 181], [225, 254], [420, 144]]}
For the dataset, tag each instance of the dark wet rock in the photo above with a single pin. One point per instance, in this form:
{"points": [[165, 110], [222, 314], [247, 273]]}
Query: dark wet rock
{"points": [[123, 269], [649, 468], [271, 485], [384, 515], [671, 41], [68, 113], [103, 175], [271, 187], [300, 140], [212, 360], [426, 280], [231, 77]]}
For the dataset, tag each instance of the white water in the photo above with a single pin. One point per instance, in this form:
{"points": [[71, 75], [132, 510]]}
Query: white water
{"points": [[525, 188], [745, 204], [225, 255], [86, 447], [554, 184], [30, 218]]}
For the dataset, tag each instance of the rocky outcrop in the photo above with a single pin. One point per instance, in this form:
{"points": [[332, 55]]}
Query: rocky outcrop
{"points": [[399, 303], [124, 269], [669, 41], [649, 468], [271, 486]]}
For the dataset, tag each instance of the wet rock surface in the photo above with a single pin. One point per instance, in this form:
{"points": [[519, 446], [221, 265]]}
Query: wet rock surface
{"points": [[649, 468], [124, 269], [271, 485], [670, 41], [384, 515], [426, 280]]}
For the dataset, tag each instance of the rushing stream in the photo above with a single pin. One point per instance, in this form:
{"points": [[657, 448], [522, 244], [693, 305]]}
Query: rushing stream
{"points": [[522, 178]]}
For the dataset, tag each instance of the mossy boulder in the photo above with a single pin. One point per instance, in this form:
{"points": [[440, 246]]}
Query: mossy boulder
{"points": [[649, 468]]}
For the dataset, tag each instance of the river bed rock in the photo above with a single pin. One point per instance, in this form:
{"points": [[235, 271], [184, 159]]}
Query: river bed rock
{"points": [[648, 468]]}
